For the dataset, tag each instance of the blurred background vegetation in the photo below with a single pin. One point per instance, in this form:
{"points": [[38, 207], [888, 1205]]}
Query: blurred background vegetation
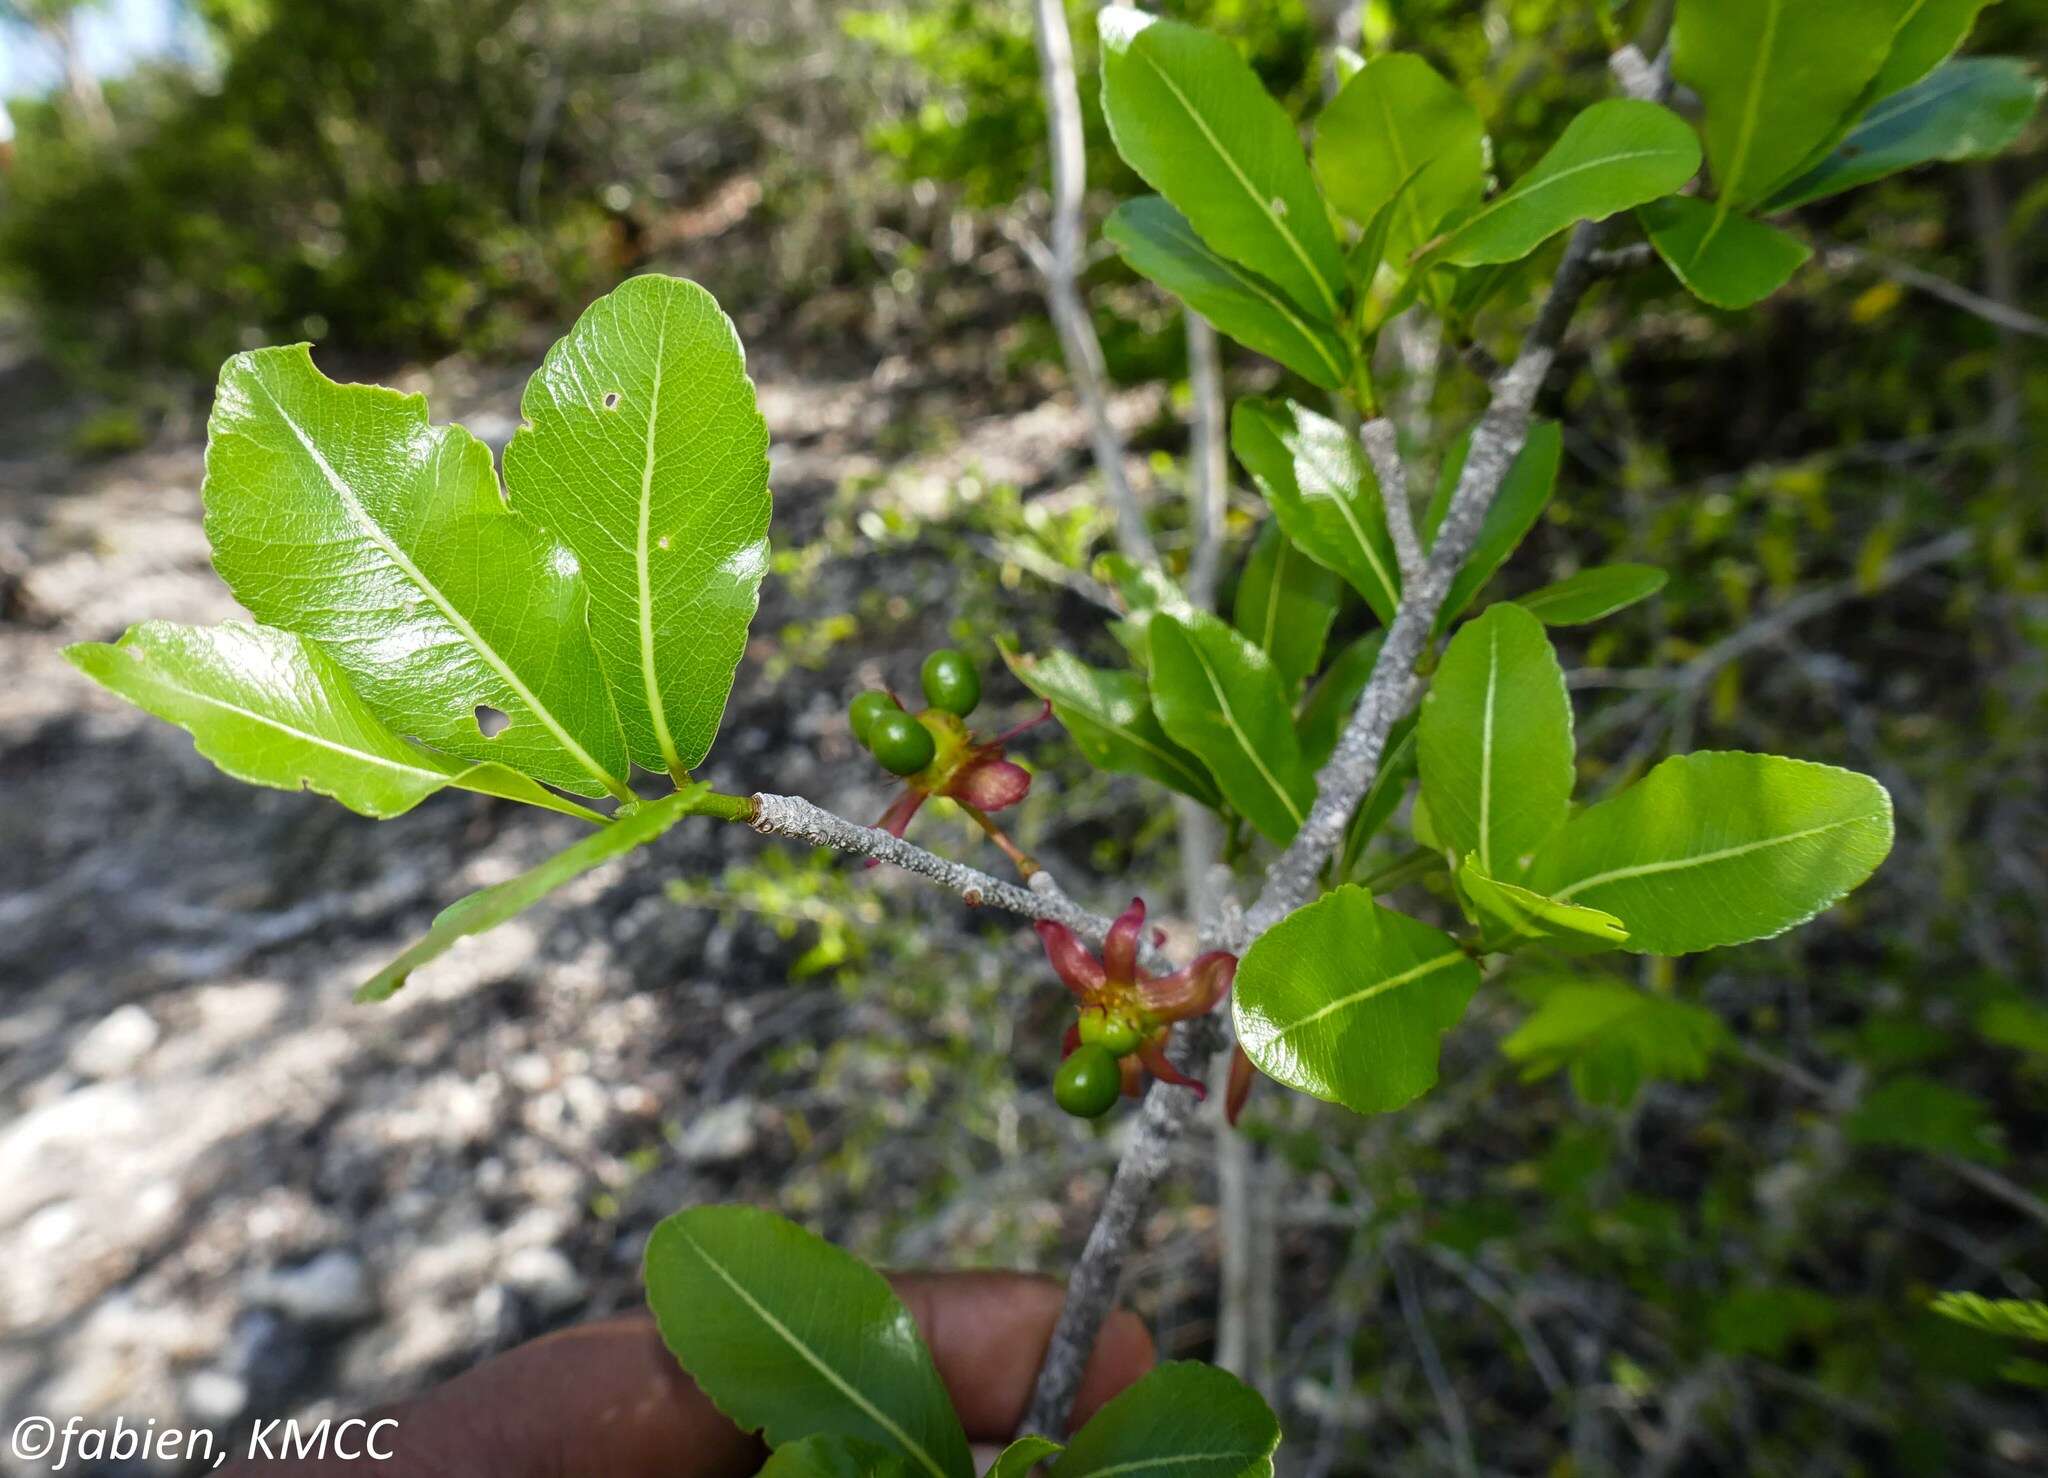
{"points": [[1708, 1253]]}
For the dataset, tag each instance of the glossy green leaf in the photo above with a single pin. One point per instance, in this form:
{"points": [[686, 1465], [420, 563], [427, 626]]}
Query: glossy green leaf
{"points": [[1723, 258], [1614, 156], [1495, 742], [836, 1457], [1183, 1420], [1777, 78], [1719, 848], [1347, 1001], [1109, 715], [1592, 595], [1314, 474], [1523, 495], [793, 1338], [2018, 1318], [1913, 1112], [1195, 122], [1020, 1457], [1285, 604], [489, 907], [1511, 916], [1614, 1039], [337, 512], [1971, 108], [1218, 696], [271, 708], [1158, 242], [1399, 124], [644, 452], [1334, 698], [1397, 768], [1929, 31]]}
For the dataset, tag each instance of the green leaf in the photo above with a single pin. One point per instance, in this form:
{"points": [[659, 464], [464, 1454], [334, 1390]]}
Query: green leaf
{"points": [[1592, 595], [2018, 1318], [1972, 108], [1614, 1039], [1285, 604], [836, 1457], [1020, 1457], [1158, 242], [1495, 742], [1917, 1113], [1194, 121], [337, 512], [1315, 475], [489, 907], [1719, 848], [1777, 77], [1765, 1321], [793, 1338], [1346, 1000], [1217, 695], [1724, 259], [1523, 496], [1183, 1420], [1399, 123], [1109, 714], [2015, 1023], [1334, 698], [1397, 768], [644, 452], [1614, 156], [271, 708], [1512, 916], [1928, 34]]}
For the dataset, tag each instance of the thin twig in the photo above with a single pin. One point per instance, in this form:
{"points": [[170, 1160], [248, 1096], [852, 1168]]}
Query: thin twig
{"points": [[2001, 315], [1208, 464], [1448, 1402]]}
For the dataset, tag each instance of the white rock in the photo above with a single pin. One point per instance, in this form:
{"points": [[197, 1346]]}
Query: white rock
{"points": [[547, 1277], [333, 1288], [725, 1133], [117, 1045], [215, 1397]]}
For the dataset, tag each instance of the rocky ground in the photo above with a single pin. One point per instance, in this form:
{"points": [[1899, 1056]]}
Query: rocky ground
{"points": [[228, 1193]]}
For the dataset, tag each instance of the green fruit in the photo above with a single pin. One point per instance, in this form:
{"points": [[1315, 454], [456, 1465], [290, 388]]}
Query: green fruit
{"points": [[866, 708], [902, 744], [1120, 1038], [951, 683], [1089, 1082]]}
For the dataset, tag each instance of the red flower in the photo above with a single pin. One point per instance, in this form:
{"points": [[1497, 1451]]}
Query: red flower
{"points": [[967, 770], [1125, 1007]]}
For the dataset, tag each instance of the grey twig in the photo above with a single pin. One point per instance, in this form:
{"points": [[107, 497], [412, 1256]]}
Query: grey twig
{"points": [[1208, 464], [1383, 450], [2000, 315]]}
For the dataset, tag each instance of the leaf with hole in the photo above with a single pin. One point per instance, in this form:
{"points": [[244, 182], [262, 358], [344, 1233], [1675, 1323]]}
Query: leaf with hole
{"points": [[1285, 604], [1398, 132], [793, 1338], [1159, 243], [1109, 716], [1314, 474], [643, 450], [338, 513], [1495, 742], [489, 907], [1719, 848], [1194, 121], [1218, 696], [1348, 1001], [1592, 595], [1613, 157], [1182, 1420], [271, 708], [1724, 259], [1971, 108]]}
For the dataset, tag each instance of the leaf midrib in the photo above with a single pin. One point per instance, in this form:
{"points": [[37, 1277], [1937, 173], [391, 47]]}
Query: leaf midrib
{"points": [[469, 633], [1378, 988], [1486, 749], [1265, 206], [1745, 138], [788, 1336], [1244, 742], [1139, 1465], [1527, 190], [1704, 859], [648, 676], [1166, 756], [1388, 587], [1271, 297]]}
